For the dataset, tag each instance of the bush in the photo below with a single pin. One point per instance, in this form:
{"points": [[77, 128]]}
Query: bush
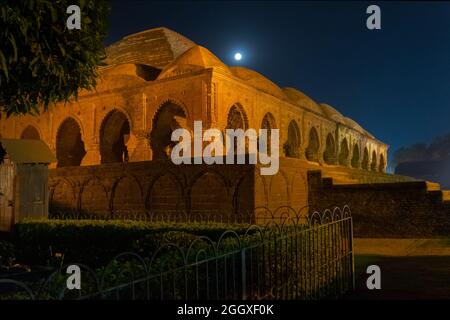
{"points": [[95, 243], [288, 263], [7, 251]]}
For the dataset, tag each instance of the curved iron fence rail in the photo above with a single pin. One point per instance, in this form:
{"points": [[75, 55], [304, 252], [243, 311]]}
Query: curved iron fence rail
{"points": [[286, 259], [256, 216]]}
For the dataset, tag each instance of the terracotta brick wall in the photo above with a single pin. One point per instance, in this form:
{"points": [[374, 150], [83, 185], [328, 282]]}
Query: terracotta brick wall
{"points": [[147, 188], [160, 187], [398, 209]]}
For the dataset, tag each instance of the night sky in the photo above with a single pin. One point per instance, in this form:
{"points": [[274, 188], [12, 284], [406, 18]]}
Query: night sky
{"points": [[395, 82]]}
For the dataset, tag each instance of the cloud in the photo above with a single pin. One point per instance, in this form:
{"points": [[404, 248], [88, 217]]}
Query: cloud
{"points": [[438, 149]]}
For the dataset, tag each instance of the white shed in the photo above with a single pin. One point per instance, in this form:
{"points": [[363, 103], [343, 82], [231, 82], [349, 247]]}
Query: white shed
{"points": [[23, 180]]}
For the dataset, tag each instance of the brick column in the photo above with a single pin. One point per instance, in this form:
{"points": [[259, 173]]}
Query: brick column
{"points": [[139, 147], [92, 156]]}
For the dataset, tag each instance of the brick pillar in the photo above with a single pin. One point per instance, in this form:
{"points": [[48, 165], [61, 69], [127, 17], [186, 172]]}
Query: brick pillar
{"points": [[92, 156], [139, 147]]}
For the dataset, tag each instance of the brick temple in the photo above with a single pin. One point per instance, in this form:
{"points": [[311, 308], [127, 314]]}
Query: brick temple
{"points": [[112, 144]]}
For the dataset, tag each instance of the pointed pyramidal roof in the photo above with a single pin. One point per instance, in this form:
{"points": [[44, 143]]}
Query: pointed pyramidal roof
{"points": [[155, 47]]}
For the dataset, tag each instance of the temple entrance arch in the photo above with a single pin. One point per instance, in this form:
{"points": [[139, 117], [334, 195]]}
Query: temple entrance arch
{"points": [[169, 117], [355, 156], [268, 123], [344, 153], [69, 145], [365, 162], [329, 156], [312, 151], [373, 163], [292, 146], [236, 119], [30, 132], [382, 163], [114, 135]]}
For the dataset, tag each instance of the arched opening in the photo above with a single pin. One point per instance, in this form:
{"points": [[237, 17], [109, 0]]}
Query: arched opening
{"points": [[382, 163], [292, 145], [237, 119], [169, 117], [299, 196], [165, 197], [373, 163], [127, 198], [244, 202], [30, 132], [62, 199], [94, 199], [69, 145], [114, 135], [209, 196], [365, 161], [344, 153], [329, 156], [268, 123], [312, 151], [355, 156], [278, 195]]}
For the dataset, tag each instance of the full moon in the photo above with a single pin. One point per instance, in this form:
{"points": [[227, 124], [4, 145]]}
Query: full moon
{"points": [[238, 56]]}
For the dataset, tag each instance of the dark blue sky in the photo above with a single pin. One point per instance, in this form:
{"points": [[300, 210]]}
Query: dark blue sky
{"points": [[395, 82]]}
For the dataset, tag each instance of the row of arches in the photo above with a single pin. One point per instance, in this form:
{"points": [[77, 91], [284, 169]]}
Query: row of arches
{"points": [[343, 156], [114, 135], [70, 147], [209, 192], [237, 119]]}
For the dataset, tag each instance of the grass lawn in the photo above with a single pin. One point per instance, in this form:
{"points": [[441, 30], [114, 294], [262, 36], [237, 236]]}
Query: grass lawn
{"points": [[410, 268]]}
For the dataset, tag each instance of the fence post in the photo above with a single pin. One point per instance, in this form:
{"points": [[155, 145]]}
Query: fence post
{"points": [[353, 256], [243, 275]]}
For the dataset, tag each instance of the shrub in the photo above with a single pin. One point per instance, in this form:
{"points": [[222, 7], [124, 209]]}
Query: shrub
{"points": [[289, 263], [95, 243]]}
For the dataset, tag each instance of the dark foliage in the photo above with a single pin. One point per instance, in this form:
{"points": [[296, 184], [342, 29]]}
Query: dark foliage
{"points": [[94, 243], [43, 62]]}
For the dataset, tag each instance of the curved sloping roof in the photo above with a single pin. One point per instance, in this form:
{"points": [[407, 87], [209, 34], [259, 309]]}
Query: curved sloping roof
{"points": [[141, 56], [299, 98], [355, 126], [332, 114], [27, 151], [120, 76], [196, 58], [258, 81], [155, 47], [335, 115]]}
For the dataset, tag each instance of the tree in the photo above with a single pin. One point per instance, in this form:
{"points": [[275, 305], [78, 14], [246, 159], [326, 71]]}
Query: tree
{"points": [[41, 60]]}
